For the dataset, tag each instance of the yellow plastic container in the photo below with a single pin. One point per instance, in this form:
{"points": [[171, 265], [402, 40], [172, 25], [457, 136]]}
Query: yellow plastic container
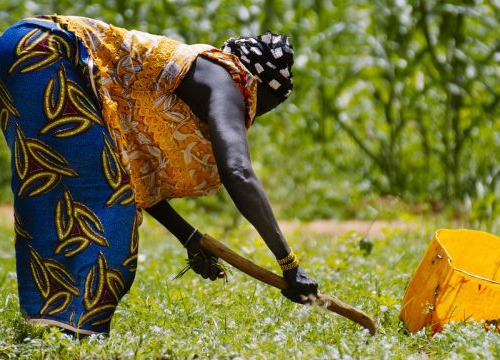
{"points": [[457, 280]]}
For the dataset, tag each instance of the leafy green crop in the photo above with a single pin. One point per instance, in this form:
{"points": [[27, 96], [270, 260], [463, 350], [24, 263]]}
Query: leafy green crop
{"points": [[189, 317], [392, 97]]}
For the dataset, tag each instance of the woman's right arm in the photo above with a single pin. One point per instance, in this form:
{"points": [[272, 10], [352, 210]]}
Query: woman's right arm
{"points": [[215, 98]]}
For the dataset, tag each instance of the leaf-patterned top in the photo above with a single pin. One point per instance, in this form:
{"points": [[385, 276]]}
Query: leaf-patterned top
{"points": [[163, 145]]}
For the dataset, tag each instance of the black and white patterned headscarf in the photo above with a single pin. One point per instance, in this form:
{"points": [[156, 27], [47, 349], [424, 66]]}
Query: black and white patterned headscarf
{"points": [[269, 57]]}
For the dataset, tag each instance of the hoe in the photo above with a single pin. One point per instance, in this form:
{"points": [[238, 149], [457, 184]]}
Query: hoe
{"points": [[327, 302]]}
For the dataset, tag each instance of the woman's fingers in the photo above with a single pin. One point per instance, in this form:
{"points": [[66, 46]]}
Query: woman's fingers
{"points": [[206, 265], [213, 272], [206, 269]]}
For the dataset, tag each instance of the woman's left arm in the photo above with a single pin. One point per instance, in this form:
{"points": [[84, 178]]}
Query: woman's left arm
{"points": [[207, 265]]}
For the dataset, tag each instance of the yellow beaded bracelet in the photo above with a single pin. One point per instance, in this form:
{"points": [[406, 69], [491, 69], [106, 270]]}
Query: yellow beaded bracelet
{"points": [[290, 266], [288, 258], [289, 262]]}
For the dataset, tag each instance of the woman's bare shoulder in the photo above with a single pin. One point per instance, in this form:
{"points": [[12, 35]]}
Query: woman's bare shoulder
{"points": [[205, 81], [211, 74]]}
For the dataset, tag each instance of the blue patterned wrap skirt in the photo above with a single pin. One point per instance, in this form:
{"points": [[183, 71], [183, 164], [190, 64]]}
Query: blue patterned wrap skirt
{"points": [[76, 222]]}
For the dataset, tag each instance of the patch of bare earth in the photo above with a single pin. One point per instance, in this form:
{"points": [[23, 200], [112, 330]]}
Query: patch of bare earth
{"points": [[321, 227], [340, 227], [6, 216], [6, 211]]}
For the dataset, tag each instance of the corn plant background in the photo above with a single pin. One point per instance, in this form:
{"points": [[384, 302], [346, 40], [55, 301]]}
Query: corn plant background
{"points": [[392, 98]]}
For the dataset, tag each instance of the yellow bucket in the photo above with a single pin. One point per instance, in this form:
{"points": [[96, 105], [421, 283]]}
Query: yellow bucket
{"points": [[457, 280]]}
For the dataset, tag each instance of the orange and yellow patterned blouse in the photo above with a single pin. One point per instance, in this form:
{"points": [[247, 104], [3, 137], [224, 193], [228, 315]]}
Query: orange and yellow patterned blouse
{"points": [[163, 145]]}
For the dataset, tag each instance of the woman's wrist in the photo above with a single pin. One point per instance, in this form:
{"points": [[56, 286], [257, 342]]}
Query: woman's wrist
{"points": [[289, 262], [193, 237]]}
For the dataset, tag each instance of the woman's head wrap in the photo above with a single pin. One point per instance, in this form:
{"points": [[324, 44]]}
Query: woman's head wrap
{"points": [[269, 57]]}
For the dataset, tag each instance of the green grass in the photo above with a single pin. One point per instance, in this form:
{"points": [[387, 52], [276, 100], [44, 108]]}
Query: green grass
{"points": [[192, 318]]}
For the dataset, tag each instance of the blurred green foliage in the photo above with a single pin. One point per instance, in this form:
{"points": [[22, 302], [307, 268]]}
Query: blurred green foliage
{"points": [[393, 97]]}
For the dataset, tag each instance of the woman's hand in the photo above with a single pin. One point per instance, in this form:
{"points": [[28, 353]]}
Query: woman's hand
{"points": [[301, 288], [203, 262]]}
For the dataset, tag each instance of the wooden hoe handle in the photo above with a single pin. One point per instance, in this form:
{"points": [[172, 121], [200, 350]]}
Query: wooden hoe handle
{"points": [[328, 302]]}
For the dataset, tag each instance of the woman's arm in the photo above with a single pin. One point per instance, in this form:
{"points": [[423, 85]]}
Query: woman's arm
{"points": [[166, 215], [212, 94], [207, 265]]}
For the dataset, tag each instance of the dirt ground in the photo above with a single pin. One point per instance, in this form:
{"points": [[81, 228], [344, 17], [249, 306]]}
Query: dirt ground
{"points": [[332, 227], [5, 210], [6, 216]]}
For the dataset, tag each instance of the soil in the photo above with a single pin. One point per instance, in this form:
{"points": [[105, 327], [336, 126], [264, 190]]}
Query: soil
{"points": [[6, 211], [340, 227], [323, 227]]}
